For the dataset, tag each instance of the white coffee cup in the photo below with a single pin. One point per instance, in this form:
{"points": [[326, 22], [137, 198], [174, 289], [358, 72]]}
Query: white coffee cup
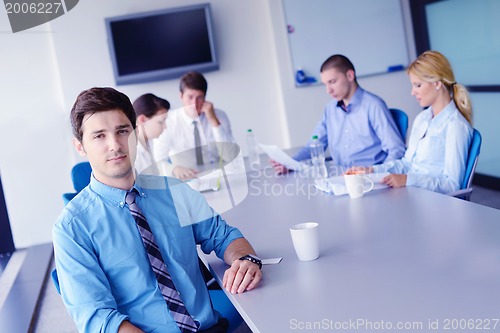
{"points": [[355, 184], [305, 238]]}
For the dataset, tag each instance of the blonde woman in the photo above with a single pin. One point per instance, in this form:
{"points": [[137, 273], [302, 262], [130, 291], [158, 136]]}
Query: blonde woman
{"points": [[441, 134]]}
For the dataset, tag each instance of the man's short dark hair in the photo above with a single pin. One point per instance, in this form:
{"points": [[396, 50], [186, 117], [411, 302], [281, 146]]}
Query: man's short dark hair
{"points": [[193, 80], [339, 62], [149, 104], [95, 100]]}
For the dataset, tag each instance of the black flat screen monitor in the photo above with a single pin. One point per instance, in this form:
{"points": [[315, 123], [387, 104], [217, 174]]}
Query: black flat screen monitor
{"points": [[161, 44]]}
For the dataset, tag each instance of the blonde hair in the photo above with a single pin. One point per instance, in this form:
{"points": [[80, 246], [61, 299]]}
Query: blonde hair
{"points": [[432, 66]]}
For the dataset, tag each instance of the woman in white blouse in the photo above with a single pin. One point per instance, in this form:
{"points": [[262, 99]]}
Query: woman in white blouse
{"points": [[151, 112], [441, 134]]}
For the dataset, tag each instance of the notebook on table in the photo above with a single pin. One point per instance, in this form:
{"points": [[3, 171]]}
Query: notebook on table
{"points": [[208, 182]]}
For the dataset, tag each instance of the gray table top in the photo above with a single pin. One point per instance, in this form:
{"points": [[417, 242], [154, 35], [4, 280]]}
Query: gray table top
{"points": [[396, 258]]}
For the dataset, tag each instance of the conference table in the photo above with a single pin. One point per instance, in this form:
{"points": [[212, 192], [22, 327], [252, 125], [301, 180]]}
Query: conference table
{"points": [[403, 259]]}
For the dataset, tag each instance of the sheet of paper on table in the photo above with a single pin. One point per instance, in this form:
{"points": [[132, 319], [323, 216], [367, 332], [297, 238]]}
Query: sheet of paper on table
{"points": [[275, 153]]}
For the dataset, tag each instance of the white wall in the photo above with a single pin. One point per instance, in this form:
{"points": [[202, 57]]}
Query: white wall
{"points": [[244, 86], [33, 151], [43, 72]]}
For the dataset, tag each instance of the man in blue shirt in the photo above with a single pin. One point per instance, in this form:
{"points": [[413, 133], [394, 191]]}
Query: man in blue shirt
{"points": [[105, 276], [356, 126]]}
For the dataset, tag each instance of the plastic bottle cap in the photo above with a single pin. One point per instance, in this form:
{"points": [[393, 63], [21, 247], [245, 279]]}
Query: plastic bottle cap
{"points": [[249, 130], [315, 137]]}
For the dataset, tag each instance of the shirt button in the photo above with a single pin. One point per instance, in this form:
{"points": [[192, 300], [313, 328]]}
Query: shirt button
{"points": [[122, 204]]}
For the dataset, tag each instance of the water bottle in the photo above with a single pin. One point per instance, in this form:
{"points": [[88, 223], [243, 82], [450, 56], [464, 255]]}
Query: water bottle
{"points": [[318, 169], [253, 154]]}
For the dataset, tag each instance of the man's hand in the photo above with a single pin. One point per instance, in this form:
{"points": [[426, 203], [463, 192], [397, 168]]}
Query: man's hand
{"points": [[208, 109], [183, 173], [278, 167], [243, 275], [395, 180]]}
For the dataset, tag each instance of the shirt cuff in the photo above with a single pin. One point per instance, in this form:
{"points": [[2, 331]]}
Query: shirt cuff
{"points": [[218, 133], [411, 179]]}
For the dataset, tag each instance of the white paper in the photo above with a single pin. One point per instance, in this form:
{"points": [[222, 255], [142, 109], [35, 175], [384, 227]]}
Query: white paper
{"points": [[281, 157], [271, 261], [336, 185]]}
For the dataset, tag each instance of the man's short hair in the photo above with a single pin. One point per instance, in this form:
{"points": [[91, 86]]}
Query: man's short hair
{"points": [[339, 62], [193, 80], [95, 100]]}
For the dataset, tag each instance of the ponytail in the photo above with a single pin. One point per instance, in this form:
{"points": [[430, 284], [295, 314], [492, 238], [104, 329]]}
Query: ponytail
{"points": [[462, 101]]}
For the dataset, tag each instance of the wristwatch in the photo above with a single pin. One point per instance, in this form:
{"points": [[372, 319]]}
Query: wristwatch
{"points": [[253, 258]]}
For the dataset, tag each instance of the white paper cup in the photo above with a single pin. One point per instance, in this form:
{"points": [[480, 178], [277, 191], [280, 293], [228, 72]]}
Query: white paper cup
{"points": [[305, 238], [355, 184]]}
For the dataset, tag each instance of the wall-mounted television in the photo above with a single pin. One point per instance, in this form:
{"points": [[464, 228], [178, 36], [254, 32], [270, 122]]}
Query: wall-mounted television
{"points": [[161, 44]]}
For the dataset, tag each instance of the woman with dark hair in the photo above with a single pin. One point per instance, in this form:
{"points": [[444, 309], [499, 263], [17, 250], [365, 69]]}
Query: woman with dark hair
{"points": [[151, 112]]}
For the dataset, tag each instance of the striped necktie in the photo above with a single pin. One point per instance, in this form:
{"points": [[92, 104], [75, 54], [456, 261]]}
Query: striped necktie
{"points": [[170, 294]]}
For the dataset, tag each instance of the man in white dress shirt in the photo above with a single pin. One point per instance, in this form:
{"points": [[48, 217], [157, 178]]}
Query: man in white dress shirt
{"points": [[180, 142]]}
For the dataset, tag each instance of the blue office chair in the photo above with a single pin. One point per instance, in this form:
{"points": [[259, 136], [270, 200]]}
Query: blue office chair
{"points": [[80, 175], [470, 167], [401, 120]]}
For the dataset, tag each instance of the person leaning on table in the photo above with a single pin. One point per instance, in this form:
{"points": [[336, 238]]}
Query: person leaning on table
{"points": [[441, 134], [106, 279], [213, 126], [357, 127]]}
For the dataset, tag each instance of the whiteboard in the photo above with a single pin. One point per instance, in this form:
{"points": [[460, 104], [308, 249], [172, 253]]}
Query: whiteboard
{"points": [[370, 33]]}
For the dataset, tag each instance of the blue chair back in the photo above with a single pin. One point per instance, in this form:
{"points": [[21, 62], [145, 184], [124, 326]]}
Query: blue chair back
{"points": [[470, 167], [401, 120], [80, 174], [67, 197]]}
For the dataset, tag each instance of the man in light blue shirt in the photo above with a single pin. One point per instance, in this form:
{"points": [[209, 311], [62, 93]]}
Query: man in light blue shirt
{"points": [[356, 127], [105, 277]]}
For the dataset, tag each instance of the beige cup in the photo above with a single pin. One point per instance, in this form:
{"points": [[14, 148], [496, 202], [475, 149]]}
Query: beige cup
{"points": [[305, 238], [355, 184]]}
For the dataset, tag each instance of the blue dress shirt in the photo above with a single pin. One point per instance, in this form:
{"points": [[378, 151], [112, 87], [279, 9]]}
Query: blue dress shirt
{"points": [[437, 151], [364, 134], [104, 273]]}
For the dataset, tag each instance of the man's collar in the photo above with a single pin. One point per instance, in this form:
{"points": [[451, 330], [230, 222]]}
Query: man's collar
{"points": [[115, 195], [356, 99], [190, 120]]}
